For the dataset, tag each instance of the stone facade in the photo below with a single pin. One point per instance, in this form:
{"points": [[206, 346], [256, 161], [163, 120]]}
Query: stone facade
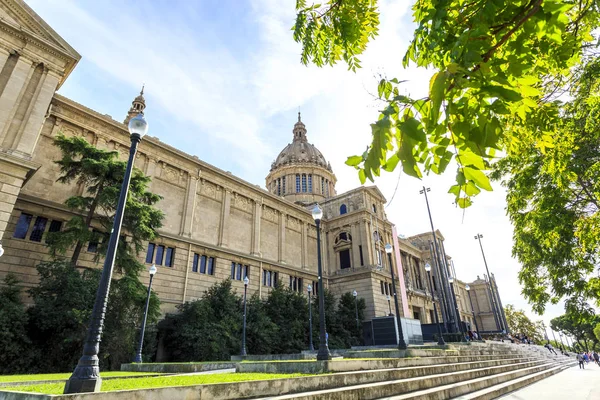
{"points": [[216, 226]]}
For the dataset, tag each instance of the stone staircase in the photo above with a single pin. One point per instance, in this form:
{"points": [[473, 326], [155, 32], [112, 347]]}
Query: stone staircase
{"points": [[474, 371]]}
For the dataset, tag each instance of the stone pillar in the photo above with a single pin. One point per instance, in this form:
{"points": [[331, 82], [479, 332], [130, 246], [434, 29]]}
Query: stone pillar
{"points": [[355, 232], [366, 242], [256, 228], [13, 92], [224, 223], [13, 172], [190, 204], [304, 230], [281, 247]]}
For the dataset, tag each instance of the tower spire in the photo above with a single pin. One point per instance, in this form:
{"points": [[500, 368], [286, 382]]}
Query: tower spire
{"points": [[299, 130], [138, 105]]}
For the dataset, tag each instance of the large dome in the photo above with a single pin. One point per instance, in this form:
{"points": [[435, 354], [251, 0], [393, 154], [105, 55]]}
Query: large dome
{"points": [[300, 151]]}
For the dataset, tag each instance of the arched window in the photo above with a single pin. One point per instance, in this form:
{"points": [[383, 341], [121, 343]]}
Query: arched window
{"points": [[343, 244], [343, 209], [309, 183], [297, 183], [303, 183]]}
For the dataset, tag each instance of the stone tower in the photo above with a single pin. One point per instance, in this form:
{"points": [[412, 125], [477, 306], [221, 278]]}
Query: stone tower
{"points": [[138, 105], [300, 173]]}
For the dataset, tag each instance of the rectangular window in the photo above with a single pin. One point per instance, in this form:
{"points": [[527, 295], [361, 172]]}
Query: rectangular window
{"points": [[322, 185], [246, 271], [315, 288], [278, 186], [297, 183], [303, 183], [238, 275], [385, 286], [390, 289], [327, 187], [55, 226], [300, 285], [150, 253], [345, 259], [211, 265], [195, 263], [93, 244], [283, 184], [22, 226], [203, 264], [309, 183], [382, 291], [362, 262], [39, 227], [170, 257], [160, 252], [232, 271], [269, 278]]}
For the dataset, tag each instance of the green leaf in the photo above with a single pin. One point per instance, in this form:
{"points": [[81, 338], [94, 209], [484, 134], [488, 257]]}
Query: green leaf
{"points": [[467, 158], [354, 160], [391, 163], [464, 202], [478, 177], [437, 87], [411, 127], [501, 92]]}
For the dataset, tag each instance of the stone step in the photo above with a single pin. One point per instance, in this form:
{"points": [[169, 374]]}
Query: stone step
{"points": [[461, 390], [390, 387], [495, 391]]}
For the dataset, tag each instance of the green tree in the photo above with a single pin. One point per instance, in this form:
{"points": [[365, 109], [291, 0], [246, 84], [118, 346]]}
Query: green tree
{"points": [[553, 197], [346, 315], [100, 174], [206, 329], [579, 322], [288, 310], [17, 353], [495, 63], [261, 332], [519, 323], [597, 331]]}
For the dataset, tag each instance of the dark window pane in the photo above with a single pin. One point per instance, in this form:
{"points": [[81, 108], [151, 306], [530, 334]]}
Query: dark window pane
{"points": [[275, 278], [169, 257], [211, 265], [38, 229], [291, 281], [160, 252], [300, 285], [238, 275], [362, 262], [22, 226], [246, 271], [343, 209], [55, 226], [93, 244], [382, 291], [203, 265], [150, 253], [232, 271], [345, 259], [195, 263]]}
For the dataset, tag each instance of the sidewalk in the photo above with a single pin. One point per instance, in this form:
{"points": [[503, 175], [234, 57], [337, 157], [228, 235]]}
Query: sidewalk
{"points": [[571, 384]]}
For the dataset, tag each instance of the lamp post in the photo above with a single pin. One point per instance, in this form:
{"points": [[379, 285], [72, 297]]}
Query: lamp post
{"points": [[310, 342], [323, 353], [468, 288], [389, 304], [441, 341], [138, 356], [86, 376], [460, 328], [545, 333], [490, 288], [243, 353], [561, 341], [554, 336], [401, 342], [356, 307]]}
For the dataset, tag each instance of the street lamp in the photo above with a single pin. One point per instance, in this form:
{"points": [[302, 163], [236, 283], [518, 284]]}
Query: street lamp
{"points": [[323, 354], [460, 327], [545, 333], [468, 288], [356, 307], [243, 353], [490, 287], [310, 342], [441, 341], [389, 304], [401, 342], [138, 356], [86, 376]]}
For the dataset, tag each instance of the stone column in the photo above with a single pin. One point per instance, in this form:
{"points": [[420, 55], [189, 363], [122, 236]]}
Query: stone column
{"points": [[13, 172], [224, 223], [190, 204], [13, 92], [281, 247], [304, 240], [354, 231], [256, 228], [366, 242]]}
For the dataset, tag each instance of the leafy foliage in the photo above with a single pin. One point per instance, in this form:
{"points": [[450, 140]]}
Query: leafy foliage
{"points": [[553, 195], [519, 323], [16, 351], [100, 174], [496, 64], [579, 322]]}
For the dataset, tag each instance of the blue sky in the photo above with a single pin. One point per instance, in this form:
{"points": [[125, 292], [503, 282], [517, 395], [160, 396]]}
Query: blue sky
{"points": [[224, 82]]}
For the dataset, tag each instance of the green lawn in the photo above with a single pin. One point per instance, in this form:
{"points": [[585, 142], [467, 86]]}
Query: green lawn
{"points": [[159, 381], [64, 375]]}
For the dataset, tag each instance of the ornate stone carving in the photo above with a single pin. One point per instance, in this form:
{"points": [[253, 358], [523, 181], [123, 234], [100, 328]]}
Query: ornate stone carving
{"points": [[269, 214], [241, 202], [209, 189]]}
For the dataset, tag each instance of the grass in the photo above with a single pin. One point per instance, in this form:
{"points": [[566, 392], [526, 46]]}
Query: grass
{"points": [[64, 376], [158, 381]]}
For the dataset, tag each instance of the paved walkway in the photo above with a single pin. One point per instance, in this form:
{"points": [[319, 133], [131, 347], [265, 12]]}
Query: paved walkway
{"points": [[571, 384]]}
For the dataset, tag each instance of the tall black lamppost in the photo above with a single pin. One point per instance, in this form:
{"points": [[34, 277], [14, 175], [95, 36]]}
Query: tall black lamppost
{"points": [[545, 333], [138, 356], [554, 336], [441, 341], [243, 353], [389, 304], [323, 353], [468, 288], [561, 341], [356, 307], [455, 301], [490, 286], [310, 342], [86, 376], [401, 342]]}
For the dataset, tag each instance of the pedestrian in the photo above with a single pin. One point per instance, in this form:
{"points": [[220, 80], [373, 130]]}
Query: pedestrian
{"points": [[580, 360], [596, 358], [586, 358]]}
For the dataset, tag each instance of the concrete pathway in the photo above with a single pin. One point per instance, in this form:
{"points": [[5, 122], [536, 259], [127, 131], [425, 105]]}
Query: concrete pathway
{"points": [[215, 371], [571, 384]]}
